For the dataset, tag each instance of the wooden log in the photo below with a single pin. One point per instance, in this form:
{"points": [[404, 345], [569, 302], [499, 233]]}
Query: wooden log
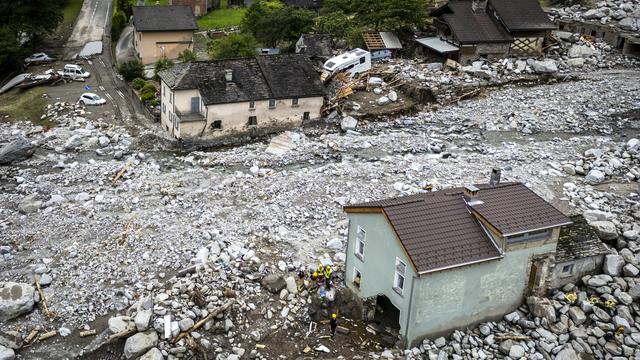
{"points": [[189, 270], [121, 172], [47, 335], [43, 299], [121, 334], [512, 337], [32, 335], [203, 321], [87, 333]]}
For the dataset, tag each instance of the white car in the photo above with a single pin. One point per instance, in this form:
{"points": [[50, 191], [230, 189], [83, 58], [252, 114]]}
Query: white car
{"points": [[38, 58], [74, 71], [91, 99]]}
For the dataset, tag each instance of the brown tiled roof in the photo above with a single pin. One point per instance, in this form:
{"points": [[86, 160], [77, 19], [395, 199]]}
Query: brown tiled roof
{"points": [[578, 241], [522, 15], [438, 230], [469, 27], [514, 208]]}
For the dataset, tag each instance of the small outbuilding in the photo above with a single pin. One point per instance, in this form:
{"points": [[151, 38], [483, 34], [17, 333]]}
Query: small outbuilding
{"points": [[381, 44], [315, 46]]}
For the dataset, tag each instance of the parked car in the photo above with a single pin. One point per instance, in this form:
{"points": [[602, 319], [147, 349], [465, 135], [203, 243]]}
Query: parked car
{"points": [[74, 71], [38, 58], [91, 99]]}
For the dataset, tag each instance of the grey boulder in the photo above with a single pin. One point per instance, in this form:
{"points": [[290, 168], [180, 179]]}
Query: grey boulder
{"points": [[16, 150], [15, 299], [139, 344]]}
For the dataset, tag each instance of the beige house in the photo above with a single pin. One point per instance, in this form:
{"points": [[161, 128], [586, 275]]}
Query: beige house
{"points": [[214, 99], [162, 31]]}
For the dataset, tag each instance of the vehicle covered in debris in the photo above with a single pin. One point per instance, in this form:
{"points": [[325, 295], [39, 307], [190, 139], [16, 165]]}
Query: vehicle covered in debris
{"points": [[74, 71], [354, 62], [38, 58]]}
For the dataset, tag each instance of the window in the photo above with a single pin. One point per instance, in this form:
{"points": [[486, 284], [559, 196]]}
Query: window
{"points": [[361, 237], [164, 108], [362, 60], [567, 269], [357, 277], [171, 99], [216, 124], [398, 282], [252, 105], [294, 102], [272, 103], [305, 116], [253, 121]]}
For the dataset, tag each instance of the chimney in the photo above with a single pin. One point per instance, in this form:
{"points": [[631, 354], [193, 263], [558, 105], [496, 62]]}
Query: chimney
{"points": [[471, 195], [495, 177], [479, 6], [228, 75]]}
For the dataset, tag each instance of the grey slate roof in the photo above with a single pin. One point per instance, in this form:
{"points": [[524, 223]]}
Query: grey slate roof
{"points": [[256, 78], [317, 45], [470, 27], [578, 241], [522, 15], [164, 18], [438, 229]]}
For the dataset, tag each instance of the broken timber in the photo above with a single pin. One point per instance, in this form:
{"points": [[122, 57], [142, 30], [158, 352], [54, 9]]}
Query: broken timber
{"points": [[203, 321], [42, 297], [121, 172]]}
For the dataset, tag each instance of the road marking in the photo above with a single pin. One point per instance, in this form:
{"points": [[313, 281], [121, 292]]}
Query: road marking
{"points": [[89, 61], [121, 94], [107, 15], [102, 62], [101, 87], [93, 15], [109, 96]]}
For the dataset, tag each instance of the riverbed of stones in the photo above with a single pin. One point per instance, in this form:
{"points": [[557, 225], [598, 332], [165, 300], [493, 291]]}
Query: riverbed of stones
{"points": [[108, 226]]}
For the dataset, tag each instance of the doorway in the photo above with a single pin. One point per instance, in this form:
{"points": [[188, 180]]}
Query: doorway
{"points": [[386, 313]]}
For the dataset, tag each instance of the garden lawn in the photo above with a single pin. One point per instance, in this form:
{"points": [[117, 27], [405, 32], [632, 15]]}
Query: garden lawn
{"points": [[222, 18]]}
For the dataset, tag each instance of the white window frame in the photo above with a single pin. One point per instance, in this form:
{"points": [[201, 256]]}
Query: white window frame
{"points": [[567, 273], [358, 251], [353, 279], [399, 272]]}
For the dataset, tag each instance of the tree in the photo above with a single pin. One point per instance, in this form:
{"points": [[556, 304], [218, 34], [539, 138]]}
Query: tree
{"points": [[273, 25], [337, 24], [256, 11], [232, 46], [126, 7], [131, 69], [118, 22], [332, 6], [162, 64], [187, 56], [401, 16]]}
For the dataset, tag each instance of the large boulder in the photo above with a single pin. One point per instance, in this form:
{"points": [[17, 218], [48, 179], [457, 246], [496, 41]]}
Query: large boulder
{"points": [[29, 204], [594, 177], [348, 123], [567, 354], [581, 51], [274, 283], [547, 66], [542, 308], [120, 324], [606, 230], [613, 264], [140, 343], [16, 150], [6, 353], [630, 24], [153, 354], [15, 299]]}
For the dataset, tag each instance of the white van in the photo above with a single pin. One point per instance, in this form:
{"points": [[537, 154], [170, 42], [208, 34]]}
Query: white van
{"points": [[355, 62], [74, 71]]}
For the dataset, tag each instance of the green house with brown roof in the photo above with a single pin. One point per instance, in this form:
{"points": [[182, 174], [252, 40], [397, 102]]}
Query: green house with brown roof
{"points": [[433, 262]]}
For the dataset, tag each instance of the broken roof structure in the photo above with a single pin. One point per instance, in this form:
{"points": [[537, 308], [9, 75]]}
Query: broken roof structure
{"points": [[164, 18], [521, 15], [252, 79], [578, 240], [443, 229], [381, 40]]}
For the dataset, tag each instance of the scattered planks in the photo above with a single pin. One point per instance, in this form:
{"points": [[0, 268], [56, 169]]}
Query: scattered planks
{"points": [[501, 337], [43, 299], [121, 172], [87, 333], [203, 321]]}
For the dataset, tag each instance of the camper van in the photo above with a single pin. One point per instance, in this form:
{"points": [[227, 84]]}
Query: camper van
{"points": [[355, 62]]}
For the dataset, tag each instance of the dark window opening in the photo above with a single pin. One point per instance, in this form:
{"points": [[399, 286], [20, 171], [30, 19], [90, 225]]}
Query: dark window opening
{"points": [[294, 102], [252, 104], [362, 60], [216, 124], [305, 116], [272, 103], [253, 121]]}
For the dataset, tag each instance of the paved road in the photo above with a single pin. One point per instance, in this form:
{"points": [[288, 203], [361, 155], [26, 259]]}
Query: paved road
{"points": [[92, 22]]}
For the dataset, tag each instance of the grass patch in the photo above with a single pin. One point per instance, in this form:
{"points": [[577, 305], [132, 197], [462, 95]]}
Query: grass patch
{"points": [[24, 104], [222, 18], [71, 11]]}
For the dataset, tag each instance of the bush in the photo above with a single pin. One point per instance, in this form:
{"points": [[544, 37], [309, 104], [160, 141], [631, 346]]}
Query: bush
{"points": [[131, 69], [232, 46], [149, 88], [147, 96], [138, 83], [162, 64], [154, 102], [187, 56]]}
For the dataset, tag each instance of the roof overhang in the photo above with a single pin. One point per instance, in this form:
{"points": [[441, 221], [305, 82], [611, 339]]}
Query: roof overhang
{"points": [[438, 45], [537, 229], [460, 265]]}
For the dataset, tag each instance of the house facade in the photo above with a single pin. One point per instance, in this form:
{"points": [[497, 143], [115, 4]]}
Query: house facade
{"points": [[215, 99], [448, 259], [162, 31], [491, 29]]}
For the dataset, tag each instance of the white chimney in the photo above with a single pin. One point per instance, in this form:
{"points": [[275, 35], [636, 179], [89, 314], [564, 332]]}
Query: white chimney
{"points": [[228, 75], [471, 195]]}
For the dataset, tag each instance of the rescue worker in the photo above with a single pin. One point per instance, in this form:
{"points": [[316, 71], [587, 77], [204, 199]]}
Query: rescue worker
{"points": [[327, 275], [333, 323]]}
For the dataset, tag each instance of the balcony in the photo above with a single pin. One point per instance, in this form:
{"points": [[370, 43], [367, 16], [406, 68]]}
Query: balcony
{"points": [[190, 116]]}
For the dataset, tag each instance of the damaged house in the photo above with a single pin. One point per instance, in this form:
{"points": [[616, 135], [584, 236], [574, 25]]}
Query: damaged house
{"points": [[213, 99], [492, 29], [432, 262]]}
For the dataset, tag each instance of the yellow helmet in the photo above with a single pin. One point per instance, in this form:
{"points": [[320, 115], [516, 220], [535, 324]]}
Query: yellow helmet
{"points": [[315, 274], [328, 268], [333, 316]]}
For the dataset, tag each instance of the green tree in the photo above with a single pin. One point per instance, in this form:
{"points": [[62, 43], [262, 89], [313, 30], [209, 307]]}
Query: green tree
{"points": [[187, 56], [332, 6], [401, 16], [126, 6], [281, 24], [118, 22], [337, 24], [162, 64], [232, 46], [256, 11], [131, 69]]}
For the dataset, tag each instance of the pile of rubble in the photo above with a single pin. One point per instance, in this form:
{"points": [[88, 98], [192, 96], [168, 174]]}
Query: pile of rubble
{"points": [[623, 14], [598, 165]]}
